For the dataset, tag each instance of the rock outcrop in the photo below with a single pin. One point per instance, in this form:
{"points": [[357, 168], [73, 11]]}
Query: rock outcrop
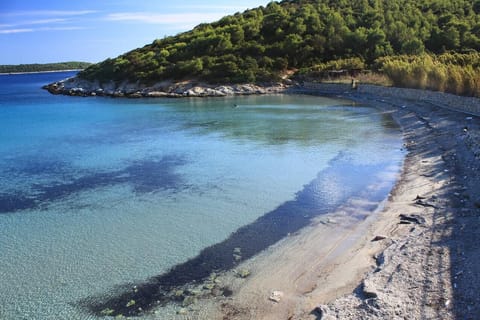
{"points": [[79, 87]]}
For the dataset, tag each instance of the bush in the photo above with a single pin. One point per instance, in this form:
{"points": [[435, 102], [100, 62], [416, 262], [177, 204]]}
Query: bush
{"points": [[454, 73]]}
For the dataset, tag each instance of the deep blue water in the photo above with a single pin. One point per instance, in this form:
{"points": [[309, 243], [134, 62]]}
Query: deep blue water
{"points": [[98, 192]]}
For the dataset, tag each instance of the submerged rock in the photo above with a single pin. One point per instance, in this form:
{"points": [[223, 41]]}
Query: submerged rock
{"points": [[243, 273], [188, 301], [130, 303], [182, 311], [178, 293], [209, 286], [107, 312]]}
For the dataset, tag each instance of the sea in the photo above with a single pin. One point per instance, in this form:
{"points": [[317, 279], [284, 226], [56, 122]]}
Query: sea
{"points": [[101, 194]]}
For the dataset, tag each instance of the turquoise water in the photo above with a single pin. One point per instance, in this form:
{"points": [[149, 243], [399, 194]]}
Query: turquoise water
{"points": [[96, 193]]}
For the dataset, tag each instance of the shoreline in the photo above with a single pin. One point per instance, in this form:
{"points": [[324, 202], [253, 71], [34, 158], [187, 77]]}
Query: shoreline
{"points": [[415, 258], [75, 86], [426, 269], [35, 72], [424, 262]]}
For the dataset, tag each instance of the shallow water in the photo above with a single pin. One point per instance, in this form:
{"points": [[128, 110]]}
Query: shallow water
{"points": [[97, 193]]}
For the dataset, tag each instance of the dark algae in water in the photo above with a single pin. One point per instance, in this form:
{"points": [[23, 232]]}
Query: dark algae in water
{"points": [[288, 218], [145, 176]]}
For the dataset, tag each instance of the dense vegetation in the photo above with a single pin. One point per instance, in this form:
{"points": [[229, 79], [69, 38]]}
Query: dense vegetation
{"points": [[261, 44], [72, 65], [454, 73]]}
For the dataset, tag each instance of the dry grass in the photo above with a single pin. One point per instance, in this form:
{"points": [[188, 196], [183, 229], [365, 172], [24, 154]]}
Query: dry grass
{"points": [[454, 73], [365, 77]]}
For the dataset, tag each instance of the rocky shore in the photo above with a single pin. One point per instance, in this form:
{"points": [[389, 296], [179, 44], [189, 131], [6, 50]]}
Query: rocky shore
{"points": [[167, 89]]}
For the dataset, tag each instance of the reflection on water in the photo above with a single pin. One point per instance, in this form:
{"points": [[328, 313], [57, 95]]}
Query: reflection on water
{"points": [[98, 193], [278, 120]]}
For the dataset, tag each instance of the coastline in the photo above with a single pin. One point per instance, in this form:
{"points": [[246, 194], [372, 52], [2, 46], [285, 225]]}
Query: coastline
{"points": [[35, 72], [426, 270], [424, 262], [75, 86], [415, 258]]}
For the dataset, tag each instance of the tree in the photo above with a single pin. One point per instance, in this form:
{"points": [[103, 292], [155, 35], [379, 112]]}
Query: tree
{"points": [[413, 47]]}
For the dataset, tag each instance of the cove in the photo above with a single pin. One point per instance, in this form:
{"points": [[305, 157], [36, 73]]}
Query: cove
{"points": [[98, 195]]}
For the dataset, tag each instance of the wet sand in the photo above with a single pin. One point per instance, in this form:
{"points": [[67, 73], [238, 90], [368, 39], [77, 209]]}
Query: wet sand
{"points": [[416, 257]]}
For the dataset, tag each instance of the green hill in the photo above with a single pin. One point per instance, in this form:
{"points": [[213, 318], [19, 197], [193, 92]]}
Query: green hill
{"points": [[38, 67], [261, 44]]}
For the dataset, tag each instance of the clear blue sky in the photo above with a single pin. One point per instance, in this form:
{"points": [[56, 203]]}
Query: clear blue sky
{"points": [[33, 31]]}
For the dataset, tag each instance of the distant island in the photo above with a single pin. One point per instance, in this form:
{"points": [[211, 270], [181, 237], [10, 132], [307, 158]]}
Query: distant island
{"points": [[43, 67], [414, 43]]}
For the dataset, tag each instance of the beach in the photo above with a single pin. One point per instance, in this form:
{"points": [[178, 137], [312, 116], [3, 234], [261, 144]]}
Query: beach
{"points": [[158, 198], [416, 257], [340, 248]]}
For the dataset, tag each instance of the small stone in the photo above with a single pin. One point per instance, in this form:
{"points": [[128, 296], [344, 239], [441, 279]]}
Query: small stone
{"points": [[216, 292], [379, 238], [182, 311], [107, 311], [243, 273], [276, 296], [178, 293], [413, 218], [195, 292], [209, 286], [424, 203], [188, 301], [369, 290]]}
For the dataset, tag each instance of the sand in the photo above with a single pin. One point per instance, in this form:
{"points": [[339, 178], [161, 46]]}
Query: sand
{"points": [[416, 257]]}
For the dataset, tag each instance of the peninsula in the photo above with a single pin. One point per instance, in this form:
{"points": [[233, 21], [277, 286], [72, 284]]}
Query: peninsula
{"points": [[45, 67], [423, 44]]}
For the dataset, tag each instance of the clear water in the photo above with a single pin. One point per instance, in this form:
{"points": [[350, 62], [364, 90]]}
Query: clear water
{"points": [[96, 193]]}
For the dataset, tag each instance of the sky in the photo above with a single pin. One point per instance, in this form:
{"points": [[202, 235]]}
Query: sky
{"points": [[33, 31]]}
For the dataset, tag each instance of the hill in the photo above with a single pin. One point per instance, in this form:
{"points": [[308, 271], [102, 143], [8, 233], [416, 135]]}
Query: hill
{"points": [[259, 44], [20, 68]]}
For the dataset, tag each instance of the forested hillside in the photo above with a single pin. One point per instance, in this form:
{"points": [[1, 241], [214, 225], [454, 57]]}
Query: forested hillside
{"points": [[39, 67], [259, 44]]}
